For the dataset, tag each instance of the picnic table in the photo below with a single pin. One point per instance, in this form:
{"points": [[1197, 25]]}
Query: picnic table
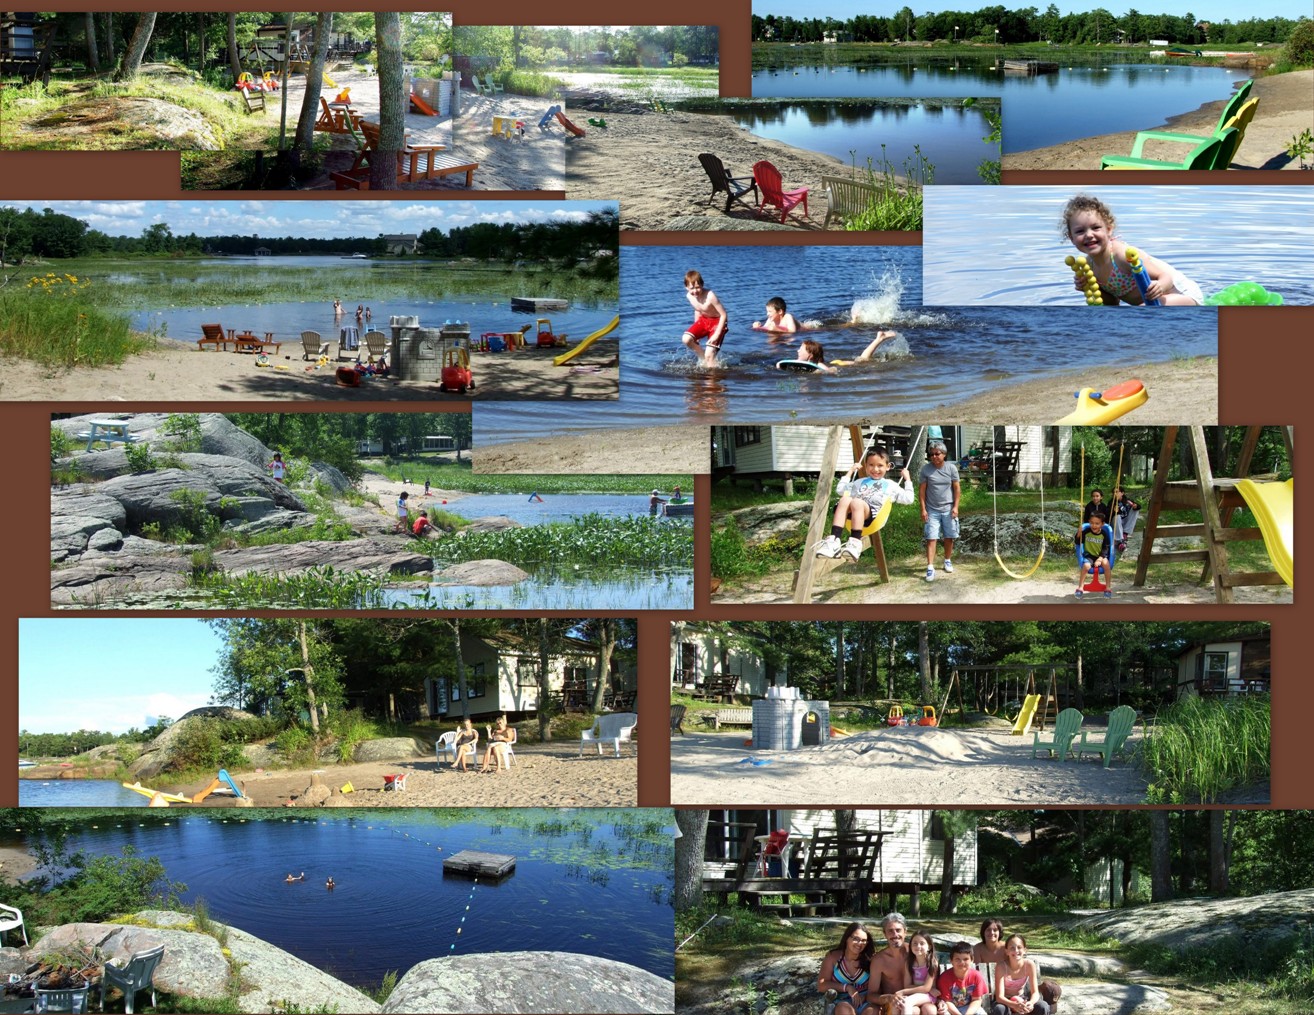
{"points": [[108, 431]]}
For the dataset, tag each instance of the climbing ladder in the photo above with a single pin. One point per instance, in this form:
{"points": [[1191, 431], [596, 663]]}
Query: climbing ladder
{"points": [[1217, 499]]}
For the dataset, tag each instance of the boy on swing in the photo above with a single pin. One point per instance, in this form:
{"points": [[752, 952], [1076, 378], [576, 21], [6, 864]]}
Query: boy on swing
{"points": [[1094, 549], [861, 498]]}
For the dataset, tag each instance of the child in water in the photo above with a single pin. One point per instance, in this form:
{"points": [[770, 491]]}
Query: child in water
{"points": [[861, 498], [811, 351], [709, 319], [1089, 224], [779, 321]]}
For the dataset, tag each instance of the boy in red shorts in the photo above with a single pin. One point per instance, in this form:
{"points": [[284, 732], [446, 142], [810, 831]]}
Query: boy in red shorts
{"points": [[709, 319]]}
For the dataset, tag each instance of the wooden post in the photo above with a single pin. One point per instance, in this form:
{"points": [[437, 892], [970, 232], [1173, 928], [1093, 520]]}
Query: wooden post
{"points": [[817, 521]]}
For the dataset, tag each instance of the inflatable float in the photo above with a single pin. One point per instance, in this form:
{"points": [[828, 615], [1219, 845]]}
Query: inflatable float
{"points": [[1244, 294], [348, 377], [798, 366], [1098, 407]]}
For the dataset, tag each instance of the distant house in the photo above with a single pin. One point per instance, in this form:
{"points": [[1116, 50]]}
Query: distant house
{"points": [[698, 653], [911, 856], [263, 252], [1225, 668], [400, 244], [501, 675], [438, 442]]}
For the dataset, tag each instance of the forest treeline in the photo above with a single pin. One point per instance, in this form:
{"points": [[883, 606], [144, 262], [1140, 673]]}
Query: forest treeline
{"points": [[50, 234], [1028, 24]]}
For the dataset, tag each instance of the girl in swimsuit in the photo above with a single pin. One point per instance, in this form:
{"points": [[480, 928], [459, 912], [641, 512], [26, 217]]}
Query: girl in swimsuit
{"points": [[1017, 982], [1089, 224], [917, 998], [847, 970]]}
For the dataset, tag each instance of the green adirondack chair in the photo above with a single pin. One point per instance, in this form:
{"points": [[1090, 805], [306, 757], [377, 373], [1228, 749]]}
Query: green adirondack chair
{"points": [[1212, 153], [1230, 110], [1240, 120], [1115, 737], [1065, 728]]}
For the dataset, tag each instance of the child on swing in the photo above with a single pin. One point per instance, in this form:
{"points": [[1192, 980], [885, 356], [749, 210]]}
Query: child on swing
{"points": [[861, 498], [1094, 548]]}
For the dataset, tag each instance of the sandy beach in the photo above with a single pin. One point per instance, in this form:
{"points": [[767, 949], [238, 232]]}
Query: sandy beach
{"points": [[179, 374], [1286, 107], [910, 766], [532, 159], [1181, 392], [665, 187]]}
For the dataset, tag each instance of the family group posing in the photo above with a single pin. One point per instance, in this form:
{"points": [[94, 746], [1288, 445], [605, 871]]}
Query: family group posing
{"points": [[905, 977]]}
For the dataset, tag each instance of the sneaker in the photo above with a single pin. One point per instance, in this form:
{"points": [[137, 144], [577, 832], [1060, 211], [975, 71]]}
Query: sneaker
{"points": [[948, 566], [1079, 593], [930, 574], [1108, 594], [853, 548], [828, 547]]}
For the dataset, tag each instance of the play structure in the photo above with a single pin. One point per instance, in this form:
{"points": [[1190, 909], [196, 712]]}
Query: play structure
{"points": [[993, 688], [1095, 408], [570, 127], [1016, 452], [503, 341], [545, 337], [810, 566], [1216, 499], [546, 119], [222, 783], [922, 715], [456, 374], [566, 357], [164, 798]]}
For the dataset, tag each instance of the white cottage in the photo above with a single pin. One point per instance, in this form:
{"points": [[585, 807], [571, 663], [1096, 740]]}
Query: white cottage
{"points": [[699, 653], [1225, 668]]}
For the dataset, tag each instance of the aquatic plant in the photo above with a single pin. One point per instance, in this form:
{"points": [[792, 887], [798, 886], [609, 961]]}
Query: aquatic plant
{"points": [[458, 476], [589, 540], [897, 205]]}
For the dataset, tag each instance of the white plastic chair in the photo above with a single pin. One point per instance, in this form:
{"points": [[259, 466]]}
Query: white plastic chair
{"points": [[446, 745], [611, 728], [73, 1001], [12, 919], [137, 975]]}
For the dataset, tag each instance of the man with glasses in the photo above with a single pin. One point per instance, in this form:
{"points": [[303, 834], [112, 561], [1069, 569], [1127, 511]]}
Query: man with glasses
{"points": [[939, 491]]}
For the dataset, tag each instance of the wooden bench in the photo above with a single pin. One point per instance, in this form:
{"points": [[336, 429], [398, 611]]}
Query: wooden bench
{"points": [[253, 99], [718, 687], [732, 717], [414, 162], [845, 198]]}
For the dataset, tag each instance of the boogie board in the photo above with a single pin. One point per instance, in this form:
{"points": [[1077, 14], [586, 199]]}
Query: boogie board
{"points": [[797, 366]]}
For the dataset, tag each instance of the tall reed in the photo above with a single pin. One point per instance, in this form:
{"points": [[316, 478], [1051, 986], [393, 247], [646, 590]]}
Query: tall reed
{"points": [[1199, 748]]}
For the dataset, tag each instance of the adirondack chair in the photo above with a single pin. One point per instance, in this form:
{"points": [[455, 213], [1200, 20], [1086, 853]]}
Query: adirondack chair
{"points": [[1240, 120], [138, 975], [493, 87], [734, 187], [410, 158], [677, 718], [611, 728], [1230, 110], [212, 334], [312, 345], [1115, 737], [1206, 155], [377, 344], [767, 178], [479, 89], [1065, 728]]}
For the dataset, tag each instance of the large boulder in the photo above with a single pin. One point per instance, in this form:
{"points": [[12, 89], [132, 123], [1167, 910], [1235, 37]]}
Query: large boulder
{"points": [[219, 436], [330, 476], [389, 749], [158, 755], [480, 572], [491, 523], [540, 982]]}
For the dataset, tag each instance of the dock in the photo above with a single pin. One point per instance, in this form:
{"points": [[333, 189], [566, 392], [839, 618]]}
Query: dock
{"points": [[1031, 66], [474, 862], [533, 304]]}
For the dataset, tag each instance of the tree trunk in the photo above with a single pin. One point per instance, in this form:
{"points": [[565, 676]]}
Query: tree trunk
{"points": [[110, 58], [606, 646], [839, 660], [924, 659], [1161, 877], [1080, 699], [200, 42], [234, 58], [889, 672], [141, 37], [309, 672], [93, 55], [544, 687], [1054, 462], [948, 896], [314, 84], [689, 848], [383, 165], [460, 669], [1217, 854]]}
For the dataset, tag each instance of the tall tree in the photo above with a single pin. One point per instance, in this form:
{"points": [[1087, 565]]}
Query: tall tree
{"points": [[93, 54], [234, 58], [924, 659], [387, 48], [132, 57], [1161, 878], [314, 84], [604, 629], [692, 825], [308, 674]]}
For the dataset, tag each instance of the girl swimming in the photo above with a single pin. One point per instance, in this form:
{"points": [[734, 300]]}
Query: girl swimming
{"points": [[1089, 225]]}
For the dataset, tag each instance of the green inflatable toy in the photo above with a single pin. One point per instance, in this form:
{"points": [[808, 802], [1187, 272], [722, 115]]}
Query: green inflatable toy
{"points": [[1244, 294]]}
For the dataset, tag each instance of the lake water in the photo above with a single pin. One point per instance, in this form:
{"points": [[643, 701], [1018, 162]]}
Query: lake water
{"points": [[950, 137], [950, 352], [1012, 253], [555, 507], [1080, 100], [77, 793], [577, 873]]}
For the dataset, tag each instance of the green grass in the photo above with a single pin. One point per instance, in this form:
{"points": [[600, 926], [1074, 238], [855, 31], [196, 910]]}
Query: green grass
{"points": [[458, 476], [898, 205], [1199, 748], [54, 320]]}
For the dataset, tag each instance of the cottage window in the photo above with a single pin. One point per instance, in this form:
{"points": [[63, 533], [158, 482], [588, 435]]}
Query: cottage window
{"points": [[1215, 672], [746, 435]]}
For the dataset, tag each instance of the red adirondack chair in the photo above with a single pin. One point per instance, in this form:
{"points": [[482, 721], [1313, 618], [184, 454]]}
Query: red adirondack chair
{"points": [[768, 182]]}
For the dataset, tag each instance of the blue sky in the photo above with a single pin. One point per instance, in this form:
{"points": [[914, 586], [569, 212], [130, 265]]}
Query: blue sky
{"points": [[315, 219], [1204, 10], [111, 674]]}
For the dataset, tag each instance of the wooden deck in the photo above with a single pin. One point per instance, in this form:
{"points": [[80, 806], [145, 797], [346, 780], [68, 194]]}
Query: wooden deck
{"points": [[476, 863]]}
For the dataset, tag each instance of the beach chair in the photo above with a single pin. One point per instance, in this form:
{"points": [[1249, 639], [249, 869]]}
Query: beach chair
{"points": [[377, 344], [677, 718], [767, 177], [312, 345], [136, 976], [1121, 720], [1230, 111], [12, 919], [1065, 728], [411, 157], [846, 199], [611, 728], [734, 187], [446, 746], [74, 1001], [212, 334], [479, 89], [1211, 151], [1223, 159]]}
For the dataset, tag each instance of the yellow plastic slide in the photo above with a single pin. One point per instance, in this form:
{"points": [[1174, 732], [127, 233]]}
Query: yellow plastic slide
{"points": [[1028, 713], [1273, 505], [566, 357], [1095, 408]]}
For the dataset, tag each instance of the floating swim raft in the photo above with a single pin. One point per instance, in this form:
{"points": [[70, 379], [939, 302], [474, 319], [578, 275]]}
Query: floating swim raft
{"points": [[1031, 66], [474, 862], [536, 303]]}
